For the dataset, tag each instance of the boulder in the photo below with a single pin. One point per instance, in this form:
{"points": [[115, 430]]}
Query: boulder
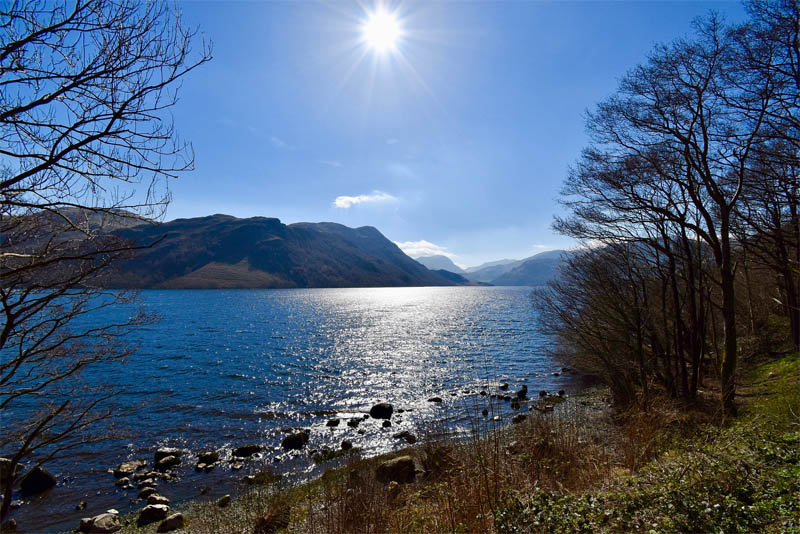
{"points": [[332, 422], [167, 462], [124, 481], [435, 399], [353, 423], [504, 386], [407, 436], [126, 469], [382, 410], [208, 457], [386, 424], [400, 469], [173, 522], [244, 451], [295, 441], [155, 498], [522, 393], [145, 475], [347, 445], [163, 452], [152, 513], [224, 501], [145, 483], [36, 481], [543, 394], [146, 492], [103, 524], [561, 392]]}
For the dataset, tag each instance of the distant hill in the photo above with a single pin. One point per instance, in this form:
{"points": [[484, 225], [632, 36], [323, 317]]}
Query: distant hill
{"points": [[440, 262], [497, 263], [533, 271], [220, 251]]}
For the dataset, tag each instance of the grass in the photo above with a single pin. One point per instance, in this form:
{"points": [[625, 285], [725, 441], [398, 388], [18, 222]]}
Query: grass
{"points": [[579, 468]]}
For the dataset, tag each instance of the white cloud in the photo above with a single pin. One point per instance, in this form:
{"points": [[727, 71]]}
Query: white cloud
{"points": [[346, 202], [417, 249], [277, 142], [332, 163], [392, 141]]}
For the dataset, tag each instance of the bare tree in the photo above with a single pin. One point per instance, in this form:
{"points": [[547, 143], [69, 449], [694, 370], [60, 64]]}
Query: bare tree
{"points": [[86, 146]]}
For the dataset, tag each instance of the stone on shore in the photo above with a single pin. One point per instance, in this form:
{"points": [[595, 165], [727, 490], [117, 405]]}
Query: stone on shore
{"points": [[126, 469], [100, 524], [224, 501], [152, 513], [173, 522], [407, 436], [382, 410], [435, 399], [163, 452], [167, 462], [36, 481], [208, 457], [157, 499], [146, 492], [332, 422], [295, 441], [400, 469], [244, 451]]}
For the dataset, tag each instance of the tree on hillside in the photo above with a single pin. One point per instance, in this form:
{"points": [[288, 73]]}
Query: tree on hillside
{"points": [[87, 147], [680, 152]]}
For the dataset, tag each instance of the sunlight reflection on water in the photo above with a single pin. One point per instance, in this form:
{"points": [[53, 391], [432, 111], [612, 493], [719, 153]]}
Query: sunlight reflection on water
{"points": [[229, 367]]}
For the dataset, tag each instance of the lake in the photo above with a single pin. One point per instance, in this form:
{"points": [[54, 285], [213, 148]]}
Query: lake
{"points": [[228, 367]]}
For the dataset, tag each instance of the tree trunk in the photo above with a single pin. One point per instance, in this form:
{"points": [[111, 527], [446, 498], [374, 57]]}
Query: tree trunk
{"points": [[729, 356]]}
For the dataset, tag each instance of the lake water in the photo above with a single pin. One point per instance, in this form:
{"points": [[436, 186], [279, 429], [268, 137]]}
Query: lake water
{"points": [[224, 368]]}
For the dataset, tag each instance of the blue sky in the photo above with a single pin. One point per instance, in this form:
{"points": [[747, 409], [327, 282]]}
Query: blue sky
{"points": [[456, 142]]}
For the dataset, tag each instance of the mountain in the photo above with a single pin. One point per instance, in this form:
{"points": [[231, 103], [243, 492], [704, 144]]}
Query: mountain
{"points": [[534, 271], [438, 262], [220, 251], [492, 270], [490, 264]]}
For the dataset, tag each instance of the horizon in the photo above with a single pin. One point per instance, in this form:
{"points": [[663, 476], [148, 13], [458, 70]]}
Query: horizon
{"points": [[455, 138]]}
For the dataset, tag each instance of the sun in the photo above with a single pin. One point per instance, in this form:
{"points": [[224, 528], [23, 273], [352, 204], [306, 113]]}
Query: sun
{"points": [[381, 31]]}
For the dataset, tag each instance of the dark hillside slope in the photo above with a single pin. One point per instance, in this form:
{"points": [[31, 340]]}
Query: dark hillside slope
{"points": [[220, 251]]}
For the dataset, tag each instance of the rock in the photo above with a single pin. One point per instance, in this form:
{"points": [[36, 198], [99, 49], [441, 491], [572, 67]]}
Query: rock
{"points": [[333, 422], [163, 452], [542, 394], [347, 445], [208, 457], [435, 399], [244, 451], [561, 392], [36, 481], [124, 481], [127, 469], [400, 469], [224, 501], [152, 513], [483, 393], [157, 499], [522, 393], [146, 475], [273, 521], [173, 522], [80, 506], [145, 483], [407, 436], [517, 419], [386, 424], [353, 423], [295, 441], [101, 524], [237, 465], [146, 492], [167, 462], [200, 467], [382, 410]]}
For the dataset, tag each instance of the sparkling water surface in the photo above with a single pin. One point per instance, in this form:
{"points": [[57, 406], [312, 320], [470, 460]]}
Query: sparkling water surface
{"points": [[228, 367]]}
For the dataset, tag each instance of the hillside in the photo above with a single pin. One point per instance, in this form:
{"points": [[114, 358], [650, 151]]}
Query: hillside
{"points": [[220, 251], [440, 262], [533, 271]]}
